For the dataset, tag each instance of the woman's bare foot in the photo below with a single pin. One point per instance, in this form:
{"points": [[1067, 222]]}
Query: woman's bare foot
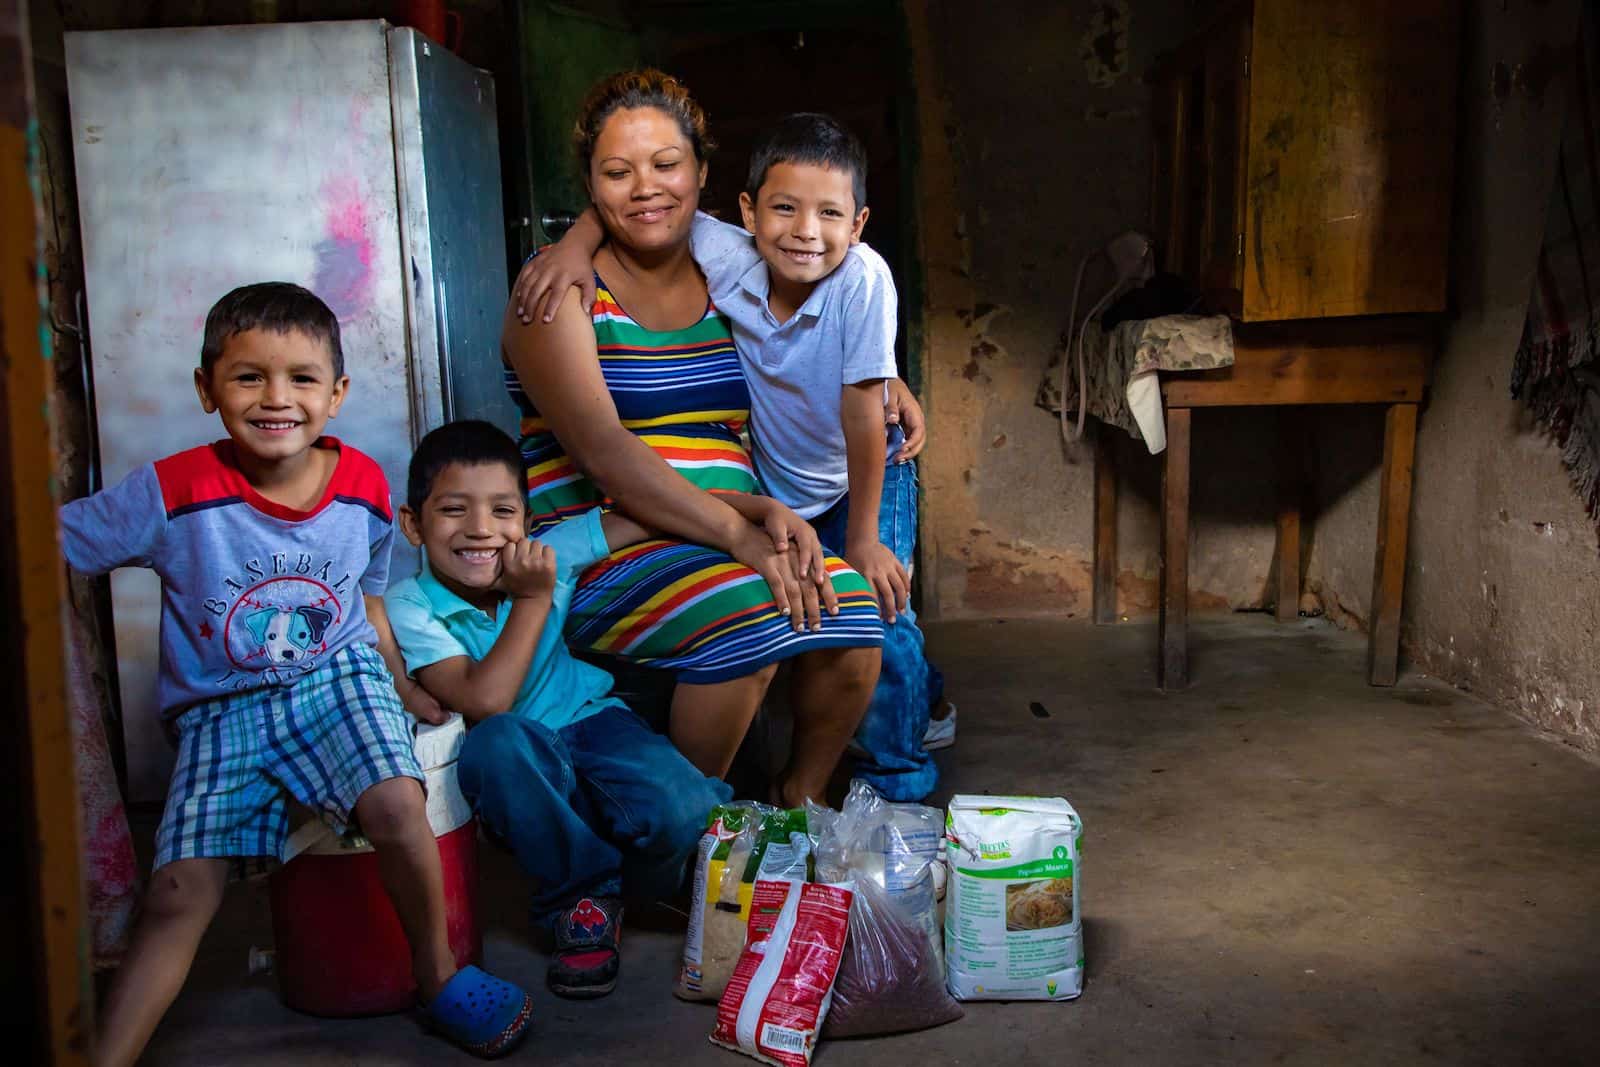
{"points": [[783, 793]]}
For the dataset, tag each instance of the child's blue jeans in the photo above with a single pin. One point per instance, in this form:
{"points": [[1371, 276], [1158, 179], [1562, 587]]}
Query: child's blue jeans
{"points": [[896, 765], [585, 808]]}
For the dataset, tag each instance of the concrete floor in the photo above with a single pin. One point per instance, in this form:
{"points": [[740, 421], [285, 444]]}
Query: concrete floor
{"points": [[1283, 865]]}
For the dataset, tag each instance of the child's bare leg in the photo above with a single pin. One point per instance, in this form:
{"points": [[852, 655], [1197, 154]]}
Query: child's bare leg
{"points": [[179, 905], [708, 722], [832, 688], [393, 816]]}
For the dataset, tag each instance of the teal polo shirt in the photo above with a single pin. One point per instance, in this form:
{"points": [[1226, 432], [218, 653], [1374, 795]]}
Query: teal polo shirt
{"points": [[432, 624]]}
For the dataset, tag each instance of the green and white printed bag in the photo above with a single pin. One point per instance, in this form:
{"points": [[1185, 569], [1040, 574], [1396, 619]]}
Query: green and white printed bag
{"points": [[1013, 926]]}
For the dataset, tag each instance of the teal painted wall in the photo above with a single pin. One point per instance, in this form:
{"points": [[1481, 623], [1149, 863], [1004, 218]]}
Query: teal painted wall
{"points": [[564, 52]]}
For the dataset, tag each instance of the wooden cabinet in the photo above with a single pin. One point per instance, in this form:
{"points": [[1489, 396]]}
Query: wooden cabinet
{"points": [[1301, 179], [1304, 155]]}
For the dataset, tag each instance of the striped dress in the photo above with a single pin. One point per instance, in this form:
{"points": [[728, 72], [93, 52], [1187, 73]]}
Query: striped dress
{"points": [[663, 603]]}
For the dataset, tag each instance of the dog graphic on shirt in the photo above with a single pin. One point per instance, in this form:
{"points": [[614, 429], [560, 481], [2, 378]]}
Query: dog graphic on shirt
{"points": [[288, 636], [281, 625]]}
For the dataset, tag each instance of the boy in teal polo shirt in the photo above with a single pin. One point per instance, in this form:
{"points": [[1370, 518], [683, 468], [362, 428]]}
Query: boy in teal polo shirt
{"points": [[573, 781]]}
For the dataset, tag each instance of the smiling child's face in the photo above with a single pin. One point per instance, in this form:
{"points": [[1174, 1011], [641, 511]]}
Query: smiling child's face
{"points": [[804, 218], [472, 511], [275, 392]]}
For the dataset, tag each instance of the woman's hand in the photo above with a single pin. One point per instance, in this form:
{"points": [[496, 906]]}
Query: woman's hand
{"points": [[545, 279], [802, 600], [785, 527], [901, 409]]}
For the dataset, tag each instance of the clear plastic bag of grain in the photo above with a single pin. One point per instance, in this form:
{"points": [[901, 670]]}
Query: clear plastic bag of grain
{"points": [[743, 841]]}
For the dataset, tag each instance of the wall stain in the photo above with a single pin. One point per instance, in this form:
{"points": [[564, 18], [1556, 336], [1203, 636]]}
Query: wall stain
{"points": [[1280, 133]]}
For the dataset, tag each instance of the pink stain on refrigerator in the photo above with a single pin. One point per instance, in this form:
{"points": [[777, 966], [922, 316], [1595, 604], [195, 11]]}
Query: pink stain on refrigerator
{"points": [[343, 275]]}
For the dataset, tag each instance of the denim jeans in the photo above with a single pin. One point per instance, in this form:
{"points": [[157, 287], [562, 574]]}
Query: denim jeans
{"points": [[891, 733], [604, 801]]}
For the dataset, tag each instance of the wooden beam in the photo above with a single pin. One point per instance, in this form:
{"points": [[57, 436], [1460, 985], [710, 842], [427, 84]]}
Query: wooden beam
{"points": [[41, 784], [1291, 493], [1173, 666], [1394, 522], [1105, 525]]}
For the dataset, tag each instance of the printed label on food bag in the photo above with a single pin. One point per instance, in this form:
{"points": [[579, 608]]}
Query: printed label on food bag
{"points": [[778, 996], [1012, 927], [692, 940]]}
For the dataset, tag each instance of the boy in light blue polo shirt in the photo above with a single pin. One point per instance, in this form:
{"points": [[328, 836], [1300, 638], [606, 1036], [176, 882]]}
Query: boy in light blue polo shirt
{"points": [[814, 317], [573, 781]]}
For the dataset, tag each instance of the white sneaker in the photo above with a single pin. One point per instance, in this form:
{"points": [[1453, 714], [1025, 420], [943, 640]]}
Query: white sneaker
{"points": [[941, 732]]}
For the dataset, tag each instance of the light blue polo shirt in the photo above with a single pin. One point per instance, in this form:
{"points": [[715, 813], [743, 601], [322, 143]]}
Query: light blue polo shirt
{"points": [[432, 624], [843, 334]]}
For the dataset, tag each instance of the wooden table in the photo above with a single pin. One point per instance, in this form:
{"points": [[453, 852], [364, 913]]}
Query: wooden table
{"points": [[1379, 360]]}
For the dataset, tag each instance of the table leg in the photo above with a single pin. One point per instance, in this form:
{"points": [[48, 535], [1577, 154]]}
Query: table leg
{"points": [[1389, 564], [1291, 492], [1173, 668], [1105, 526]]}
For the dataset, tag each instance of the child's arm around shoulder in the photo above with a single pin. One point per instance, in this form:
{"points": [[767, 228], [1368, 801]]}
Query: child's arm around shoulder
{"points": [[544, 279], [723, 252]]}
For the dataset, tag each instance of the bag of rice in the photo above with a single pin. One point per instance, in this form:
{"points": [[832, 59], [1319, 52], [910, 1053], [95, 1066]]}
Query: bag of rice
{"points": [[778, 997], [1013, 926], [744, 841]]}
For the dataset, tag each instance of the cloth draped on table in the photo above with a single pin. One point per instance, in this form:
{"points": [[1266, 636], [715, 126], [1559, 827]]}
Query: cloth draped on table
{"points": [[1120, 365], [1556, 372]]}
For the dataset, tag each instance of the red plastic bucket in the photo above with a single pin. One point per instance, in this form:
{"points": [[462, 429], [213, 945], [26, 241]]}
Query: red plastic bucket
{"points": [[340, 948]]}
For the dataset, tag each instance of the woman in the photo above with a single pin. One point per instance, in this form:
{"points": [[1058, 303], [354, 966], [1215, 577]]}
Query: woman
{"points": [[640, 402]]}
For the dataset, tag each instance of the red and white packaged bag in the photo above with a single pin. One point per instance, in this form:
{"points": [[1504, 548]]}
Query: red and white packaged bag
{"points": [[783, 983]]}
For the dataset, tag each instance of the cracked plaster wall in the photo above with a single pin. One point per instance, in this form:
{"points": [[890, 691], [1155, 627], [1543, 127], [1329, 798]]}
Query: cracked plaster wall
{"points": [[1035, 136]]}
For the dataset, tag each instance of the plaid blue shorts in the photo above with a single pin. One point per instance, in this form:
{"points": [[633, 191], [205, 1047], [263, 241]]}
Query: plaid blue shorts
{"points": [[325, 740]]}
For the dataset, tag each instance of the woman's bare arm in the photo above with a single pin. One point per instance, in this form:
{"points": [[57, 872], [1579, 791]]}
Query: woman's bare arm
{"points": [[559, 368]]}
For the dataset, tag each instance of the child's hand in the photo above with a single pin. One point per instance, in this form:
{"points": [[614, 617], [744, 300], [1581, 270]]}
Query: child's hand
{"points": [[901, 409], [527, 570], [889, 580], [420, 703], [786, 528], [544, 280]]}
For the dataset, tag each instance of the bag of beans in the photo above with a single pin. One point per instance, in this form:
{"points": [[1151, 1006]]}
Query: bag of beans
{"points": [[892, 977]]}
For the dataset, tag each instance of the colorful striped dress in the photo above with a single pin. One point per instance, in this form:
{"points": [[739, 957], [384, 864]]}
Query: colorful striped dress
{"points": [[663, 603]]}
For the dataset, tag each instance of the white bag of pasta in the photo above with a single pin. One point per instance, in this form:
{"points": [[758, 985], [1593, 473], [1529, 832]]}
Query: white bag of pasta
{"points": [[1013, 925]]}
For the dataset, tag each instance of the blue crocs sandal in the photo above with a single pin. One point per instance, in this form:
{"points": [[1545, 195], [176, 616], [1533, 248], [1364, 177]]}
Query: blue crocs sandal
{"points": [[480, 1013]]}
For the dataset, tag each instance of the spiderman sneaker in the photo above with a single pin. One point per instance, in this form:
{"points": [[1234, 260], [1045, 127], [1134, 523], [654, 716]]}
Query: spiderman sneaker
{"points": [[588, 938]]}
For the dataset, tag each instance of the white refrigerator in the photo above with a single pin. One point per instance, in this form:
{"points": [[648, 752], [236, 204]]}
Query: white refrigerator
{"points": [[353, 158]]}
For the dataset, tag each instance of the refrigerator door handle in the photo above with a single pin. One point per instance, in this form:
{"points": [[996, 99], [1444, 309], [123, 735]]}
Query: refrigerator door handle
{"points": [[441, 329]]}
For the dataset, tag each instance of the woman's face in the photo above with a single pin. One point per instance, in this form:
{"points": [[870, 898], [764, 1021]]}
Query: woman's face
{"points": [[644, 179]]}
